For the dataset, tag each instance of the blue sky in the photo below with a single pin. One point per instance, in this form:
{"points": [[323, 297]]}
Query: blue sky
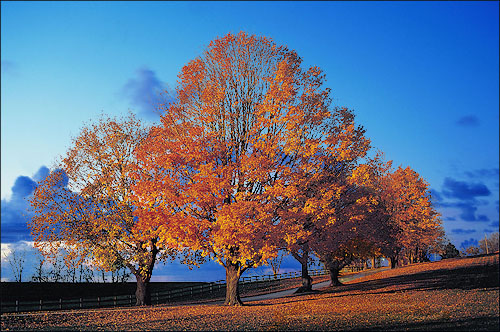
{"points": [[422, 78]]}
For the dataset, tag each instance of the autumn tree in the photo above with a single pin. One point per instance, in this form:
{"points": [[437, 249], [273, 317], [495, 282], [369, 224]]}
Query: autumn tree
{"points": [[337, 212], [352, 227], [85, 206], [219, 168], [407, 202]]}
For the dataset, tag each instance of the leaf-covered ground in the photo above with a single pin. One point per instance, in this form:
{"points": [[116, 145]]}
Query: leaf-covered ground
{"points": [[454, 294]]}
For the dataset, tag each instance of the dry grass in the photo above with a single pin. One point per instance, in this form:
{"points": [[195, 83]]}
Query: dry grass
{"points": [[455, 294]]}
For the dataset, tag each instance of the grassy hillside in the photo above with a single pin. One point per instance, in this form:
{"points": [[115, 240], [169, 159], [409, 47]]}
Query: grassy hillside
{"points": [[455, 294]]}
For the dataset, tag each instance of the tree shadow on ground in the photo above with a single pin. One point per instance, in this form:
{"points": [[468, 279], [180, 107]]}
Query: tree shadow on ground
{"points": [[467, 324], [465, 278]]}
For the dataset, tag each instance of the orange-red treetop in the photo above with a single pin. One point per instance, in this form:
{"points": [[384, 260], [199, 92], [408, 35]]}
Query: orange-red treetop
{"points": [[248, 125]]}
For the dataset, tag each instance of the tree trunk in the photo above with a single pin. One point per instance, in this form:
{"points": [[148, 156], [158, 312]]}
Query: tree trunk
{"points": [[334, 277], [142, 292], [372, 262], [394, 261], [232, 285], [306, 278]]}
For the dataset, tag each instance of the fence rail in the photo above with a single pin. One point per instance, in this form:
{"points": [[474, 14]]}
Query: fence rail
{"points": [[156, 297]]}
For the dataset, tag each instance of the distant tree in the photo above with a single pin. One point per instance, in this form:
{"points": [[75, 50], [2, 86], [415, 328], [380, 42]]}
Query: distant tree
{"points": [[450, 251], [471, 251], [86, 274], [56, 272], [406, 198], [275, 262], [40, 274], [86, 206], [489, 244], [16, 259]]}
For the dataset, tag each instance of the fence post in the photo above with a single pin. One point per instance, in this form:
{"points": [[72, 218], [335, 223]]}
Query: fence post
{"points": [[17, 306], [40, 306], [81, 304], [114, 301], [99, 301], [130, 299], [60, 304], [156, 297]]}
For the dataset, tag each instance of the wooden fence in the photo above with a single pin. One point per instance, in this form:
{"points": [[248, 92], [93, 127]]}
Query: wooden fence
{"points": [[156, 297]]}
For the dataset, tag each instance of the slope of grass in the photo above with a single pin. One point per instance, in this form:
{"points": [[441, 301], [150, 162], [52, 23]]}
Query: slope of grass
{"points": [[457, 294]]}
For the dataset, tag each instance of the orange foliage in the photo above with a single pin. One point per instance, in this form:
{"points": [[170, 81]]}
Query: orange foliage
{"points": [[407, 202], [249, 123], [86, 207]]}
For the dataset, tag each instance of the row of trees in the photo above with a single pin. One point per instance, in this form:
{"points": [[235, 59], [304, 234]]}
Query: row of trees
{"points": [[58, 271], [487, 245], [251, 159]]}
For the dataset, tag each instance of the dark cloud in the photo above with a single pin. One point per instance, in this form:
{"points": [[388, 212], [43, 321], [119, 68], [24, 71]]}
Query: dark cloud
{"points": [[23, 186], [146, 92], [467, 208], [468, 121], [482, 217], [462, 231], [468, 243], [464, 191], [14, 221], [14, 212]]}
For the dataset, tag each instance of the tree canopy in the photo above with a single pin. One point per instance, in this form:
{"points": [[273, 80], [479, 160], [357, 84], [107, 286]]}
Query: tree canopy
{"points": [[85, 206]]}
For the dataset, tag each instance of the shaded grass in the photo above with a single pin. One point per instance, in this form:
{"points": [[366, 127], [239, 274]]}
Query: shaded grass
{"points": [[34, 291], [459, 294]]}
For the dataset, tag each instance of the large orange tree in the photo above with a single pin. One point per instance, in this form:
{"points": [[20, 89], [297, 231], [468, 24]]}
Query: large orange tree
{"points": [[249, 122], [85, 206]]}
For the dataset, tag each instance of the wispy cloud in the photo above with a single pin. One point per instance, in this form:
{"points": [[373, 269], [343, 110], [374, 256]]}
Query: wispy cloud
{"points": [[146, 92], [463, 231], [468, 121], [483, 173], [9, 67]]}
